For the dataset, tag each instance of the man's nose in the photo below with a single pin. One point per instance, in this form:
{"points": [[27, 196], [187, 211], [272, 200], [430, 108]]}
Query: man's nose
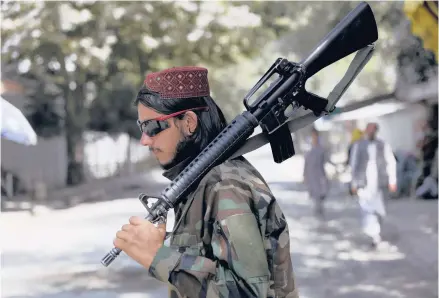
{"points": [[145, 140]]}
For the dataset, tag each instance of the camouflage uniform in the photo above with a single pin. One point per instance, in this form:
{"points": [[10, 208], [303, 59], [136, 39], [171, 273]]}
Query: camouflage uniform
{"points": [[216, 248]]}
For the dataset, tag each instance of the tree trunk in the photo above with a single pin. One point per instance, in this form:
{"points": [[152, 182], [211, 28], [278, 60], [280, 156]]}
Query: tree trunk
{"points": [[75, 167], [75, 143], [74, 112]]}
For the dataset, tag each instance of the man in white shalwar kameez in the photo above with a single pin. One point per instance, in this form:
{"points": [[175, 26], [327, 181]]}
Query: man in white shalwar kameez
{"points": [[373, 175]]}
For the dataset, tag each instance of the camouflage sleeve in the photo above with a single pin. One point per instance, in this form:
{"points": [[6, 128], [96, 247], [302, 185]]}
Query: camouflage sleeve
{"points": [[239, 267]]}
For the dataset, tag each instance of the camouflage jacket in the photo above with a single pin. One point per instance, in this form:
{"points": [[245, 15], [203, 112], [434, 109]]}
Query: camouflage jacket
{"points": [[230, 239]]}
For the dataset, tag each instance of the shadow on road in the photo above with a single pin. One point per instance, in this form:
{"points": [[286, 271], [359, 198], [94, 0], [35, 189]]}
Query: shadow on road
{"points": [[104, 191], [330, 256], [333, 259], [90, 279]]}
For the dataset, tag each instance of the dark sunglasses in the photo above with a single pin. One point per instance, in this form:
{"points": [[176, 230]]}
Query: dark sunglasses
{"points": [[154, 126]]}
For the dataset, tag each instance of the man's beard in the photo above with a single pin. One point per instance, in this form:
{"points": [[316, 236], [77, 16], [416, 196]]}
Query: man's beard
{"points": [[371, 137], [184, 150]]}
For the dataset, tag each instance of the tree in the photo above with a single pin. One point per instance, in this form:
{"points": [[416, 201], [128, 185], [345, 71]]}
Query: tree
{"points": [[196, 33], [79, 50], [34, 36], [301, 26]]}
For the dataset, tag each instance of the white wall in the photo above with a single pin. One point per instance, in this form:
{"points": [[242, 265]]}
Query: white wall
{"points": [[104, 154], [45, 162], [399, 128]]}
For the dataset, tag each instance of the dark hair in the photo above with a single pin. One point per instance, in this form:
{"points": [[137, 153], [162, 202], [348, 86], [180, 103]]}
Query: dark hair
{"points": [[210, 123]]}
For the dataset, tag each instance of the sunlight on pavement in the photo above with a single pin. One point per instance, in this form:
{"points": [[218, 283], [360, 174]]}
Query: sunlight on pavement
{"points": [[156, 176], [132, 295], [57, 253], [362, 256], [317, 263], [371, 289], [69, 245]]}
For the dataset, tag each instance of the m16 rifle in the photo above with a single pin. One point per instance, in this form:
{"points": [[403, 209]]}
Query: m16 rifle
{"points": [[356, 32]]}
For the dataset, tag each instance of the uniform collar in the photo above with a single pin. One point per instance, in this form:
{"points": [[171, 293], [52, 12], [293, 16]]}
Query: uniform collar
{"points": [[173, 172]]}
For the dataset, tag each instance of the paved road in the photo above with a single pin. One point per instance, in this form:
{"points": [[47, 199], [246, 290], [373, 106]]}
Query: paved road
{"points": [[57, 253]]}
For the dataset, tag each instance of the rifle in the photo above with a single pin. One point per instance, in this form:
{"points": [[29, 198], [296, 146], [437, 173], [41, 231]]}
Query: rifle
{"points": [[356, 32]]}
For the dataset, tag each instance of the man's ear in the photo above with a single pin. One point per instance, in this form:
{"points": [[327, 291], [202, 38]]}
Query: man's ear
{"points": [[190, 122]]}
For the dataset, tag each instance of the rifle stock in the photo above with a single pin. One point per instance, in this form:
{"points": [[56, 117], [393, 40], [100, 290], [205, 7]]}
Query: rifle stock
{"points": [[355, 31]]}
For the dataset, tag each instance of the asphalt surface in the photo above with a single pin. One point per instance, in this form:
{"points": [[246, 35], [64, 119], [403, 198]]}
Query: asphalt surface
{"points": [[57, 253]]}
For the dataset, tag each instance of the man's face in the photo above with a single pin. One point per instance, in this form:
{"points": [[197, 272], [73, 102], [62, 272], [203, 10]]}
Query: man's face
{"points": [[371, 130], [315, 138], [164, 144]]}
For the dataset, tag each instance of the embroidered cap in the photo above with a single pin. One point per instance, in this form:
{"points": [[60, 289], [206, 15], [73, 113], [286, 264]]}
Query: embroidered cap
{"points": [[179, 82]]}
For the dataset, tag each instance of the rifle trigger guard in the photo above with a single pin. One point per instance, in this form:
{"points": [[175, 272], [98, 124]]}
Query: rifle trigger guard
{"points": [[144, 198], [160, 220]]}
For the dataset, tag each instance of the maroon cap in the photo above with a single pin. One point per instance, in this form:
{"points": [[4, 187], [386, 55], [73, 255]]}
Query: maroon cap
{"points": [[179, 82]]}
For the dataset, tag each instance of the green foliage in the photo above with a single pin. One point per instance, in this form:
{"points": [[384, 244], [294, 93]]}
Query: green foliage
{"points": [[113, 111], [301, 25], [92, 56], [44, 114]]}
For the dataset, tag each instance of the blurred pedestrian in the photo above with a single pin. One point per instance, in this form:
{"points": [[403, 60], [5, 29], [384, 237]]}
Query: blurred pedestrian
{"points": [[373, 176], [356, 135], [314, 174], [429, 187], [427, 144]]}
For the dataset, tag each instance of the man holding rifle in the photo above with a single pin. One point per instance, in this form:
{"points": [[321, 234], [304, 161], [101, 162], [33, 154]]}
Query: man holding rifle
{"points": [[230, 237]]}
